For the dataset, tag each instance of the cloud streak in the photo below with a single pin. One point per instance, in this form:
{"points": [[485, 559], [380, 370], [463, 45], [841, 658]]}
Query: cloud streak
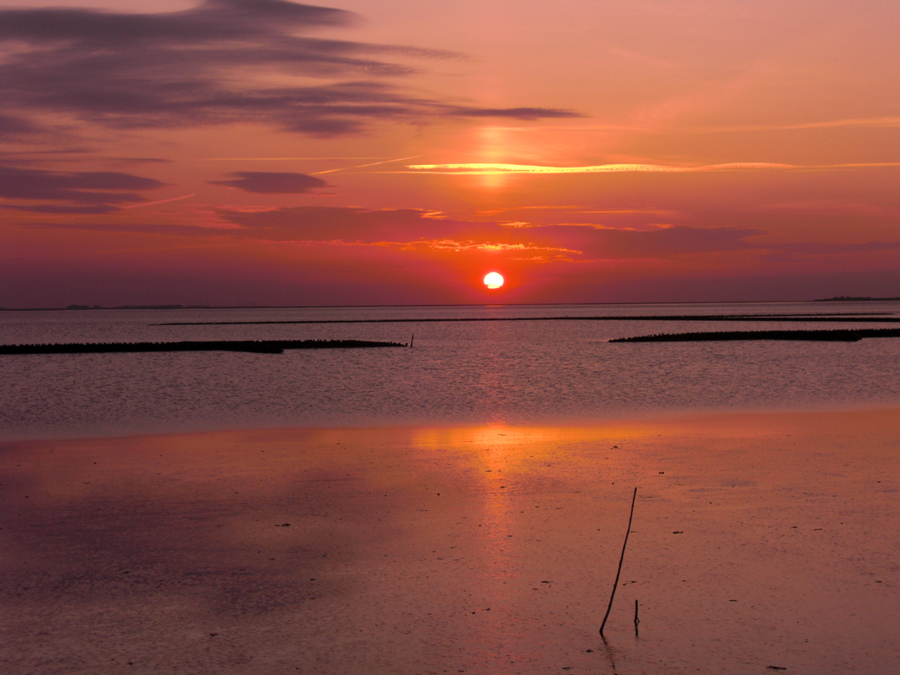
{"points": [[888, 122], [207, 65], [12, 126], [271, 183], [416, 230], [61, 192], [482, 169], [502, 169], [363, 166]]}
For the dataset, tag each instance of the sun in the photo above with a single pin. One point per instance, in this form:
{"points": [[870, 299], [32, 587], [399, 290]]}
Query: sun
{"points": [[493, 280]]}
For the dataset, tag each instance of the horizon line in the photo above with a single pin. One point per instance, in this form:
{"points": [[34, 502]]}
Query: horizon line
{"points": [[163, 307]]}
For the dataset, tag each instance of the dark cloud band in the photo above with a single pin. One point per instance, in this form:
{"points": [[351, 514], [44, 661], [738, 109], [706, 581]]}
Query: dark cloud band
{"points": [[413, 229], [270, 183], [79, 192], [191, 67]]}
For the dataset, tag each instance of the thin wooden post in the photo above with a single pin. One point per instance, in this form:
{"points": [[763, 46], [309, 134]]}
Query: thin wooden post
{"points": [[621, 559]]}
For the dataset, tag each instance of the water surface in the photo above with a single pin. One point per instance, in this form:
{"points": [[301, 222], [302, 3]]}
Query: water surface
{"points": [[501, 372]]}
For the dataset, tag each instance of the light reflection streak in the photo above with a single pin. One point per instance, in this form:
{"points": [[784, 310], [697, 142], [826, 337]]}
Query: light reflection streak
{"points": [[504, 462], [500, 456]]}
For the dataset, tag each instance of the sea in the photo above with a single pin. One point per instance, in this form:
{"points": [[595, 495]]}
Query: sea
{"points": [[494, 365]]}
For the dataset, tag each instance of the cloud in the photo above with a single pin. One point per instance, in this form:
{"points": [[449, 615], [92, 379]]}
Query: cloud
{"points": [[510, 113], [129, 228], [75, 192], [413, 228], [208, 65], [494, 169], [874, 122], [140, 160], [269, 183], [819, 248], [349, 225], [500, 169], [663, 242], [417, 230], [12, 126], [62, 210]]}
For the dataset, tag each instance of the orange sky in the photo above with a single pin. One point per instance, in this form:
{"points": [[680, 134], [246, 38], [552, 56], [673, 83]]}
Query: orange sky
{"points": [[237, 151]]}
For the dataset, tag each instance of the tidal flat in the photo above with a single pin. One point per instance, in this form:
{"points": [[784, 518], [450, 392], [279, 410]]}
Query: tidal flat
{"points": [[759, 540]]}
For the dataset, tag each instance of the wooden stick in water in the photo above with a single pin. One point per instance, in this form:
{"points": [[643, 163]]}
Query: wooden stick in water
{"points": [[621, 559]]}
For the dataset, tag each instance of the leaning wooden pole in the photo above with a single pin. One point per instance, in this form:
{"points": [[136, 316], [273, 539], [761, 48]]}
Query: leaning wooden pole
{"points": [[621, 560]]}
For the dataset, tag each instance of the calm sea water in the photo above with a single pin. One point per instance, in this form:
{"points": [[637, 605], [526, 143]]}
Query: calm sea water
{"points": [[517, 372]]}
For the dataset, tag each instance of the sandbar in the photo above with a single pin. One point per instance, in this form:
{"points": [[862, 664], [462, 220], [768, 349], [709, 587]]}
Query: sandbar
{"points": [[759, 539]]}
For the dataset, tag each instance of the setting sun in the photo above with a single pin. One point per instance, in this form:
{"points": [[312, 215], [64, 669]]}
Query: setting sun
{"points": [[493, 280]]}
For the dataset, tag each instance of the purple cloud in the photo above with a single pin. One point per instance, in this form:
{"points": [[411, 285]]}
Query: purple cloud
{"points": [[11, 126], [130, 228], [656, 243], [190, 67], [270, 183], [86, 192], [319, 223], [415, 229]]}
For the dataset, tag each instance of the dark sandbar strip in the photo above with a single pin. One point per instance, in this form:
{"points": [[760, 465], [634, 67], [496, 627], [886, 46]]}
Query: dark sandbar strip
{"points": [[253, 346], [814, 335]]}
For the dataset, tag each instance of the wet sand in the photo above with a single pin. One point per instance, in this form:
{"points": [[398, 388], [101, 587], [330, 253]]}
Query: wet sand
{"points": [[758, 540]]}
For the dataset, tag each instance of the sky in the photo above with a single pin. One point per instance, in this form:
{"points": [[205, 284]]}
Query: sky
{"points": [[240, 152]]}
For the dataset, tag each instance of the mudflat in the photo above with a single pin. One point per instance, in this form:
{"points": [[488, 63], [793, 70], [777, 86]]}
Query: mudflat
{"points": [[758, 540]]}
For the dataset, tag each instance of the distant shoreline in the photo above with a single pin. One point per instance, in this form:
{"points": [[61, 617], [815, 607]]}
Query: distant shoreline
{"points": [[852, 298], [79, 308], [781, 318]]}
